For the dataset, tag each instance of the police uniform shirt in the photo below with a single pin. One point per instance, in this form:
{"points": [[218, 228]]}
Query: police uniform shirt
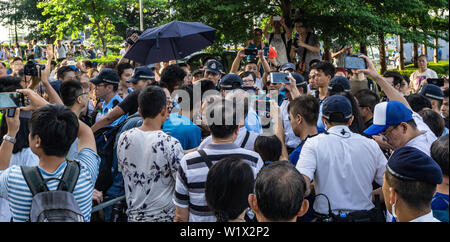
{"points": [[422, 142], [106, 107], [426, 218], [292, 141], [343, 166]]}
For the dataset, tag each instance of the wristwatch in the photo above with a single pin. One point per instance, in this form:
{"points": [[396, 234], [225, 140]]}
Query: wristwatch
{"points": [[9, 138]]}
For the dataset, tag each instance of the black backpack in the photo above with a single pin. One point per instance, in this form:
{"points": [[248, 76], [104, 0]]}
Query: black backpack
{"points": [[53, 206]]}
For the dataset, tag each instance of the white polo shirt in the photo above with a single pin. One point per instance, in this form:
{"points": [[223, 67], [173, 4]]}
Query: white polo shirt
{"points": [[292, 141], [422, 142], [343, 166]]}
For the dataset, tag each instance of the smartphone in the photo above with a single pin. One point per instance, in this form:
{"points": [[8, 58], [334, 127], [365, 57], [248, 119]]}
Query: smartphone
{"points": [[11, 100], [279, 77], [251, 52], [436, 81], [352, 62], [276, 18]]}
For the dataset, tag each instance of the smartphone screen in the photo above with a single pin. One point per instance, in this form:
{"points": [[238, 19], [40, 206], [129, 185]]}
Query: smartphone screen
{"points": [[263, 108], [354, 62], [11, 100], [436, 81], [276, 18], [279, 77], [251, 52]]}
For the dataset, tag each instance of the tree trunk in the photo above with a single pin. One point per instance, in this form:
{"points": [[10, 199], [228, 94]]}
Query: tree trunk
{"points": [[435, 52], [424, 50], [286, 9], [401, 50], [382, 51], [363, 48], [415, 53]]}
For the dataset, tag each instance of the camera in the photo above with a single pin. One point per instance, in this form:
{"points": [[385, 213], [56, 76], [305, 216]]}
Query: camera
{"points": [[129, 32], [30, 69]]}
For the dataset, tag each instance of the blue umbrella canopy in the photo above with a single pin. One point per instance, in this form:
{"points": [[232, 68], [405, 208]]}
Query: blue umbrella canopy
{"points": [[172, 41]]}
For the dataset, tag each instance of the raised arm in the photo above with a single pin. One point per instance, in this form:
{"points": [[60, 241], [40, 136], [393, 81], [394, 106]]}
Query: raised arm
{"points": [[6, 147], [237, 62], [109, 118], [391, 93]]}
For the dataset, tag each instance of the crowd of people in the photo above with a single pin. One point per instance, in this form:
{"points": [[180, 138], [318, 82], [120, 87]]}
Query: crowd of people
{"points": [[324, 143]]}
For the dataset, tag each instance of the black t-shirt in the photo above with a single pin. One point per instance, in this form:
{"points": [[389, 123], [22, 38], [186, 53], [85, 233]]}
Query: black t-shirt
{"points": [[130, 104]]}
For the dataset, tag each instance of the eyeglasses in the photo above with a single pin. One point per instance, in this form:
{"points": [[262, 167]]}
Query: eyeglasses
{"points": [[386, 133], [100, 85]]}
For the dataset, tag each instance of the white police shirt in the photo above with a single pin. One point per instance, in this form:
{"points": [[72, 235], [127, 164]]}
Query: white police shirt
{"points": [[291, 140], [343, 166], [425, 218], [422, 142]]}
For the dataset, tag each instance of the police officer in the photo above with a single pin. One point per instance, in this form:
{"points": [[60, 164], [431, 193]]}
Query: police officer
{"points": [[106, 85], [409, 184], [142, 77], [342, 165], [213, 71]]}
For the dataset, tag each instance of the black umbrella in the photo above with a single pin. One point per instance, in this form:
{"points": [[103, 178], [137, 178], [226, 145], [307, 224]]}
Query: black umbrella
{"points": [[172, 41]]}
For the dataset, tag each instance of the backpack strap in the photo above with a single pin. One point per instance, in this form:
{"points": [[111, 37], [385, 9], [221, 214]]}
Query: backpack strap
{"points": [[205, 158], [34, 179], [70, 177], [244, 142]]}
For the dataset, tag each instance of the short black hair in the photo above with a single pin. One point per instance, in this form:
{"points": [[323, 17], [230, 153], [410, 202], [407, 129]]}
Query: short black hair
{"points": [[280, 190], [367, 98], [60, 74], [398, 78], [439, 153], [190, 90], [173, 76], [57, 126], [268, 147], [205, 85], [248, 73], [70, 91], [151, 101], [313, 62], [418, 102], [88, 64], [307, 106], [417, 194], [221, 118], [434, 121], [228, 184], [10, 83], [325, 66], [122, 67]]}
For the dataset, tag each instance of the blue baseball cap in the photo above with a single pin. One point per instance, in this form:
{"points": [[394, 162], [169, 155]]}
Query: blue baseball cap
{"points": [[410, 164], [337, 104], [387, 114], [287, 66], [432, 91], [339, 84], [107, 75], [142, 73]]}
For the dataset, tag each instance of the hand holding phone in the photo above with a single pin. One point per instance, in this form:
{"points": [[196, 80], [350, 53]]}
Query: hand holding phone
{"points": [[280, 77], [352, 62], [251, 52], [436, 81], [276, 18], [10, 100]]}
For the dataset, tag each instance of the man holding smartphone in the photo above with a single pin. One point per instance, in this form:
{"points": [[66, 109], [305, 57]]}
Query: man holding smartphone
{"points": [[278, 40]]}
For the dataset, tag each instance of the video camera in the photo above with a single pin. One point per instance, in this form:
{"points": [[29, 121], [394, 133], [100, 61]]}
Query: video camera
{"points": [[129, 32], [30, 69]]}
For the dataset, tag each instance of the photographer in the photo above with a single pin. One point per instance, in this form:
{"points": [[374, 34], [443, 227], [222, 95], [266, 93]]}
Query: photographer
{"points": [[306, 46]]}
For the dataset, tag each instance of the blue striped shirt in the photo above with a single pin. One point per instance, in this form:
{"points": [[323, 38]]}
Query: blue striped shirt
{"points": [[14, 188]]}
